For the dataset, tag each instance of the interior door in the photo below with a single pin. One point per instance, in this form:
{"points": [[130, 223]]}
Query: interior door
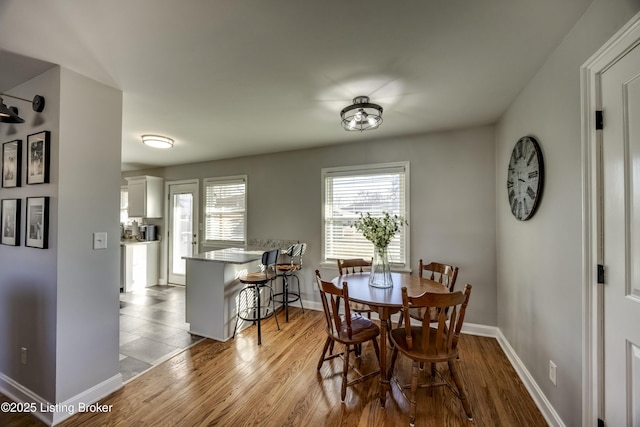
{"points": [[621, 209], [183, 228]]}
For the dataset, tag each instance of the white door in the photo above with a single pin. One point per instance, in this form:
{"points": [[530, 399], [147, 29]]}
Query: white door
{"points": [[621, 209], [183, 227]]}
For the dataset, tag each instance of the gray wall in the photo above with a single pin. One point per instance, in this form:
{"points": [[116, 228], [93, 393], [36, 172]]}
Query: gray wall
{"points": [[62, 302], [88, 303], [28, 275], [539, 261], [452, 201]]}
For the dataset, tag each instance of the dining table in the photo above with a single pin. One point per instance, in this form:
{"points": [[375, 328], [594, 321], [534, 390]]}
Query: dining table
{"points": [[385, 302]]}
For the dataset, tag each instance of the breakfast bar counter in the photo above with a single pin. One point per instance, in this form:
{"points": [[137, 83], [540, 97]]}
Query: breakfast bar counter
{"points": [[211, 288]]}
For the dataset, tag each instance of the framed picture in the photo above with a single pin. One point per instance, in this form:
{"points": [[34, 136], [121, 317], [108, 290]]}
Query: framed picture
{"points": [[11, 163], [10, 214], [37, 230], [38, 157]]}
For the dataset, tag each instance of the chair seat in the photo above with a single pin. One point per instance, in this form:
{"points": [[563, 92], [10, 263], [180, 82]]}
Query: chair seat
{"points": [[288, 267], [417, 352], [362, 329], [256, 278]]}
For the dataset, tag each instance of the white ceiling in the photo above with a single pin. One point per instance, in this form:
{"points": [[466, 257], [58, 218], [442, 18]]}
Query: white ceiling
{"points": [[228, 78]]}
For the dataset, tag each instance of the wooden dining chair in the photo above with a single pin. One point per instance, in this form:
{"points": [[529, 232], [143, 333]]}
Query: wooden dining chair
{"points": [[355, 265], [349, 329], [424, 343], [444, 274]]}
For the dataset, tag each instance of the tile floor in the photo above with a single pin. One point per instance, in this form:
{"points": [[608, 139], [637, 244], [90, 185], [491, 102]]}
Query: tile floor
{"points": [[152, 328]]}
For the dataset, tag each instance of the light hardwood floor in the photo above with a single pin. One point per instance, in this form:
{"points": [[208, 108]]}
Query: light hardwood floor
{"points": [[240, 383]]}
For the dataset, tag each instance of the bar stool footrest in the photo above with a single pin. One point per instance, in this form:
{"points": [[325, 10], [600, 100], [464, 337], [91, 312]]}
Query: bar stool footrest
{"points": [[247, 314], [292, 297]]}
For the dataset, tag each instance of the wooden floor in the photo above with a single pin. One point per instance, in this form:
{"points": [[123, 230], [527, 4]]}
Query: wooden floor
{"points": [[276, 384]]}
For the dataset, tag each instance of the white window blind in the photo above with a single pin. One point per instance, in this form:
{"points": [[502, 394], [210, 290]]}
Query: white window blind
{"points": [[372, 189], [225, 210]]}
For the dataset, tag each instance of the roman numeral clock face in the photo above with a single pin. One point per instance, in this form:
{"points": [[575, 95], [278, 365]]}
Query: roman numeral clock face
{"points": [[525, 178]]}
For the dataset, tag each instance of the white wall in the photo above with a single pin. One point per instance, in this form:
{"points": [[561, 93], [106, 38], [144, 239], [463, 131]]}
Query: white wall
{"points": [[539, 261], [452, 201]]}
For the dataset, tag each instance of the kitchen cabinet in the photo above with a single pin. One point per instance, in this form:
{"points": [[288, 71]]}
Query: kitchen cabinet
{"points": [[139, 264], [145, 196]]}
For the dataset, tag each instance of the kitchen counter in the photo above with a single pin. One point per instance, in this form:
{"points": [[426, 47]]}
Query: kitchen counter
{"points": [[229, 255], [211, 288], [139, 264], [137, 242]]}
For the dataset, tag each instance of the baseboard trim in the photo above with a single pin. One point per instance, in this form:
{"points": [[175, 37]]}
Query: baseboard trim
{"points": [[52, 414], [541, 401], [18, 393], [467, 328]]}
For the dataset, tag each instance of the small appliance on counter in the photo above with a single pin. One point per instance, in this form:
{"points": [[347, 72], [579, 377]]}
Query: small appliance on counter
{"points": [[149, 232]]}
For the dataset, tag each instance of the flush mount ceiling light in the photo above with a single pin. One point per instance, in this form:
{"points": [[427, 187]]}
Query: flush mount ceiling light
{"points": [[362, 115], [10, 114], [157, 141]]}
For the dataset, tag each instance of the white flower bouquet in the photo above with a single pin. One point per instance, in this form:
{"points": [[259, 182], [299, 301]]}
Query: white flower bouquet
{"points": [[379, 230]]}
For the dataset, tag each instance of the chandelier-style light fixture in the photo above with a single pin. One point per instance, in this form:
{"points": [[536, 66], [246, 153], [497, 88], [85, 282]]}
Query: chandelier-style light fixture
{"points": [[361, 115], [157, 141], [10, 114]]}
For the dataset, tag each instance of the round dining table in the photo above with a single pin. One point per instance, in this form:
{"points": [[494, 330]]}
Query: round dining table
{"points": [[385, 302]]}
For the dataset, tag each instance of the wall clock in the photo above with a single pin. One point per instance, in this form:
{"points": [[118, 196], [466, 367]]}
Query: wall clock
{"points": [[525, 178]]}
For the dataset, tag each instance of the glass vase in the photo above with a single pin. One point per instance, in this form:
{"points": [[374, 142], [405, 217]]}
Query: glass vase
{"points": [[380, 276]]}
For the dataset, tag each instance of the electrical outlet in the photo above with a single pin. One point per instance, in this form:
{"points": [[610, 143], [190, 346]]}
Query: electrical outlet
{"points": [[23, 355], [552, 372]]}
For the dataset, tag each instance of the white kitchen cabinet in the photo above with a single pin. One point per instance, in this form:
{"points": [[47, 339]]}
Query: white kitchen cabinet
{"points": [[140, 265], [145, 196]]}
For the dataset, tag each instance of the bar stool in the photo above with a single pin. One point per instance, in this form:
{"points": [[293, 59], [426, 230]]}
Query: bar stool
{"points": [[288, 271], [250, 306]]}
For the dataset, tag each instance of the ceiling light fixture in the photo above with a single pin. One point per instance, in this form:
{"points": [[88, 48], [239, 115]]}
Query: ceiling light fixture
{"points": [[10, 114], [362, 115], [157, 141]]}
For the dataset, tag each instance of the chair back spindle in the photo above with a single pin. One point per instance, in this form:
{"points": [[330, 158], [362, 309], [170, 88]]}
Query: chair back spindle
{"points": [[356, 265], [441, 273]]}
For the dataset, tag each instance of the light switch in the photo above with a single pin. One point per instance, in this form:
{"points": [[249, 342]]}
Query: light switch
{"points": [[100, 240]]}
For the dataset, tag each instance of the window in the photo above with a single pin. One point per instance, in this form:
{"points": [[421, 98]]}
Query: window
{"points": [[373, 189], [225, 214]]}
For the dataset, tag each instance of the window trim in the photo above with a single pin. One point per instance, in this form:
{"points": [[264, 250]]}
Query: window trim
{"points": [[362, 170], [221, 244]]}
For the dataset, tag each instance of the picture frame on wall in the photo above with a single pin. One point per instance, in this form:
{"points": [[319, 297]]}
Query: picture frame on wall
{"points": [[10, 214], [12, 163], [37, 229], [38, 157]]}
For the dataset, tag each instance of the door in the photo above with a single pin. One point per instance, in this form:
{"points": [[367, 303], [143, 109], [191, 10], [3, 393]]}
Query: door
{"points": [[183, 227], [621, 241]]}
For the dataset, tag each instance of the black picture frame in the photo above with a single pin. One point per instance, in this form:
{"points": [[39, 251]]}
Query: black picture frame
{"points": [[12, 164], [38, 157], [37, 223], [10, 222]]}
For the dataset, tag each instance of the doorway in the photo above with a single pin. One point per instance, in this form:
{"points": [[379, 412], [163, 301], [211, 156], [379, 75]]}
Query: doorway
{"points": [[183, 227], [611, 182]]}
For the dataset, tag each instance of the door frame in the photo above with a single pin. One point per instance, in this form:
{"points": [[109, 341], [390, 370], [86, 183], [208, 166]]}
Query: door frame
{"points": [[167, 206], [627, 38]]}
